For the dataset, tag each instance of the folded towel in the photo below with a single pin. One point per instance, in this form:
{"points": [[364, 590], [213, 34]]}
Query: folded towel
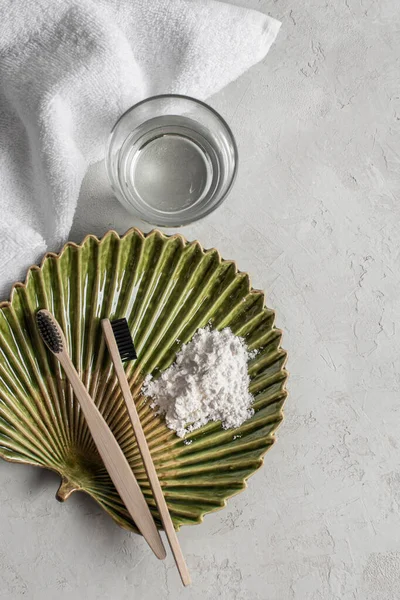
{"points": [[70, 68]]}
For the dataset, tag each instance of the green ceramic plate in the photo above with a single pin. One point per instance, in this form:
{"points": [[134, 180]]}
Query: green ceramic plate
{"points": [[167, 288]]}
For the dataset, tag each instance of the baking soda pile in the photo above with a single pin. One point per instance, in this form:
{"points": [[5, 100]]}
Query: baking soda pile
{"points": [[208, 382]]}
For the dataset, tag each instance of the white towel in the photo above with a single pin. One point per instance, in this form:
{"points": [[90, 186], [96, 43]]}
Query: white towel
{"points": [[70, 68]]}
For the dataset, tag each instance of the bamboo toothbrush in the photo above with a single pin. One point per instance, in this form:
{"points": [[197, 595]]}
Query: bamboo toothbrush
{"points": [[120, 345], [109, 450]]}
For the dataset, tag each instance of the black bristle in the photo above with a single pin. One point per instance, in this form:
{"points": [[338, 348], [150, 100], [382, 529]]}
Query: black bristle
{"points": [[49, 332], [124, 339]]}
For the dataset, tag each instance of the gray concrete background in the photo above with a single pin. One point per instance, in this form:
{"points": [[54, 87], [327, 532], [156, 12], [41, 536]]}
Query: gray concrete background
{"points": [[315, 218]]}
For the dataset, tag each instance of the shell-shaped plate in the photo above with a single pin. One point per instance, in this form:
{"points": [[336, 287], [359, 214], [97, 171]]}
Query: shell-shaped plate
{"points": [[167, 288]]}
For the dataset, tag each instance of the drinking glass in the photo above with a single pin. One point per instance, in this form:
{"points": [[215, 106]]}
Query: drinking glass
{"points": [[171, 160]]}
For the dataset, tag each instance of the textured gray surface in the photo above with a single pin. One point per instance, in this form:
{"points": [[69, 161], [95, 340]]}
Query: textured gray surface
{"points": [[315, 218]]}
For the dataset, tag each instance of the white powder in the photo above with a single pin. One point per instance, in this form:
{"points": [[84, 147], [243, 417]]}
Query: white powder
{"points": [[208, 382]]}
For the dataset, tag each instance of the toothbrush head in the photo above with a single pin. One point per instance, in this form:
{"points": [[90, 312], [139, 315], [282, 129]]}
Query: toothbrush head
{"points": [[50, 331]]}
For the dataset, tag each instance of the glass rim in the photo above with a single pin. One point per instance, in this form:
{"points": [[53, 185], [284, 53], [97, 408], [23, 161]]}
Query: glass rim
{"points": [[208, 108]]}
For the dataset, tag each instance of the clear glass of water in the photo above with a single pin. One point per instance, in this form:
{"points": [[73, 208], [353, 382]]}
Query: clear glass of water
{"points": [[171, 160]]}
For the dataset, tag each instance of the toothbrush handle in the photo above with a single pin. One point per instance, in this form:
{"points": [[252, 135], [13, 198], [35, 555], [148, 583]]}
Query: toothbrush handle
{"points": [[115, 462]]}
